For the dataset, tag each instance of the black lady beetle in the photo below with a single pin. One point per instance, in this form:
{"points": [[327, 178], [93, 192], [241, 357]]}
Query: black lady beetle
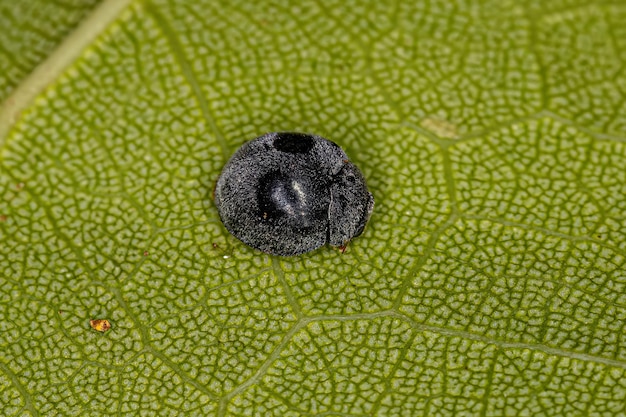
{"points": [[287, 193]]}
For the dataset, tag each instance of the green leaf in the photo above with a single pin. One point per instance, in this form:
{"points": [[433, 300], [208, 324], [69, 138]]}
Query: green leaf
{"points": [[490, 281], [30, 30]]}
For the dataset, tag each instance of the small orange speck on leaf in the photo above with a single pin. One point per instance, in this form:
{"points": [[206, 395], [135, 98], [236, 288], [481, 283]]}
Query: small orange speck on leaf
{"points": [[3, 217], [100, 325], [19, 185], [146, 253]]}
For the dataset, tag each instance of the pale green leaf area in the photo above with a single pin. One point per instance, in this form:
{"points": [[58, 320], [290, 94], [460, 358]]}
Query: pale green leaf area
{"points": [[30, 30], [490, 281]]}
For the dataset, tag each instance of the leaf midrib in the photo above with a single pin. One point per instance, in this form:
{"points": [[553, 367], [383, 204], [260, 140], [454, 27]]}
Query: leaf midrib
{"points": [[63, 56]]}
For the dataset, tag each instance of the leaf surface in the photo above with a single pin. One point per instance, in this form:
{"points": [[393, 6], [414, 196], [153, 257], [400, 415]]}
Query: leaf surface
{"points": [[491, 279], [30, 30]]}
